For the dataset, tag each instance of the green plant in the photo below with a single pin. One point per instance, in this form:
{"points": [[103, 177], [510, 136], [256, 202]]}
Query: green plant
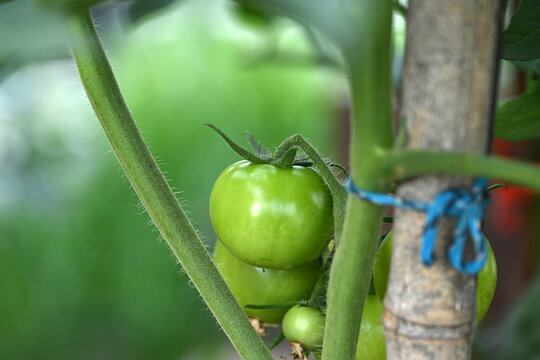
{"points": [[360, 30], [487, 277], [271, 217], [256, 286]]}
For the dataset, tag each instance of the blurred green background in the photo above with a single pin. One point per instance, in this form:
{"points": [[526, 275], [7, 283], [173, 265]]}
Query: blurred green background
{"points": [[83, 272]]}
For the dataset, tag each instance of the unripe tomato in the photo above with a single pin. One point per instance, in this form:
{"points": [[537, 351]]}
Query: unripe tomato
{"points": [[487, 277], [255, 286], [371, 344], [272, 217], [305, 325]]}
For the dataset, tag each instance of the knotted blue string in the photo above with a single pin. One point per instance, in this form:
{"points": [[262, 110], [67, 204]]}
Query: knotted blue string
{"points": [[467, 206]]}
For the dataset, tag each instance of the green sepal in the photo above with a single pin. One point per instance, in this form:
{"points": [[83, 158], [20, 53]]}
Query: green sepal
{"points": [[279, 306], [242, 152], [277, 340], [255, 144], [495, 186]]}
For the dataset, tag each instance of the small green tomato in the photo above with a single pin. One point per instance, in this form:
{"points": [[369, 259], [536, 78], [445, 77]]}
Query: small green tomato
{"points": [[305, 325]]}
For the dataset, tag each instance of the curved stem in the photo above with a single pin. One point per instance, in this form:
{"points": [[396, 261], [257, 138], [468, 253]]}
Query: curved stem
{"points": [[153, 190], [329, 17], [339, 194], [371, 135], [403, 164]]}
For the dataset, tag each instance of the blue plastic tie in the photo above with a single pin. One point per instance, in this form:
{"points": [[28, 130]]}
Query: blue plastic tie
{"points": [[467, 206]]}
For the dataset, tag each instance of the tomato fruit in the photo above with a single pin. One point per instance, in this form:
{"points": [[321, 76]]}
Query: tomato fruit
{"points": [[371, 344], [272, 217], [306, 326], [255, 286], [487, 277]]}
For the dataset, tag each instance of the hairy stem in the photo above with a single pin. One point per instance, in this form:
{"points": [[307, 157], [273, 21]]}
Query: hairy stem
{"points": [[153, 190], [339, 195], [371, 135], [403, 164]]}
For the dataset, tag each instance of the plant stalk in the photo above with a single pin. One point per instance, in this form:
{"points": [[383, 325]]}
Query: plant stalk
{"points": [[153, 190], [371, 135], [400, 165]]}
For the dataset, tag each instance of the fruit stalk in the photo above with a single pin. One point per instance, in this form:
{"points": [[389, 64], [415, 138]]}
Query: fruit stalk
{"points": [[371, 136]]}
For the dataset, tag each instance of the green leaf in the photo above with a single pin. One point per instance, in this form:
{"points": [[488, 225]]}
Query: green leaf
{"points": [[532, 65], [522, 37], [278, 340], [140, 8], [519, 118], [283, 305]]}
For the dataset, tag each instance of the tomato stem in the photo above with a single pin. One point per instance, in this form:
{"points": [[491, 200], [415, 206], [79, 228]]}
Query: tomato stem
{"points": [[152, 188], [339, 194], [368, 59], [400, 165]]}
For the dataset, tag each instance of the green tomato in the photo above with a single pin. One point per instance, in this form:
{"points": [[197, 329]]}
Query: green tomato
{"points": [[255, 286], [371, 344], [272, 217], [487, 277], [305, 325]]}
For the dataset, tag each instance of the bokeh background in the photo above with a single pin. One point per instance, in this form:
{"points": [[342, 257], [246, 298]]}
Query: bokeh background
{"points": [[83, 273]]}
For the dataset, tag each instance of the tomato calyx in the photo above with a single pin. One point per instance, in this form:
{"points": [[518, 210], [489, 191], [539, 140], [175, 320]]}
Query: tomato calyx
{"points": [[284, 305], [285, 155]]}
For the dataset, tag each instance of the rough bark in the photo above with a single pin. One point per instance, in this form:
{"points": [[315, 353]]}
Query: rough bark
{"points": [[450, 81]]}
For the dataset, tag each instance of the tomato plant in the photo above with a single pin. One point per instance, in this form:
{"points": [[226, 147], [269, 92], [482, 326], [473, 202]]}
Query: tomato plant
{"points": [[487, 277], [256, 286], [271, 217], [305, 325], [281, 217]]}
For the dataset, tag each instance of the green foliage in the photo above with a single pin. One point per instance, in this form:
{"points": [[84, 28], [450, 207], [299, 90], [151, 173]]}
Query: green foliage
{"points": [[253, 13], [141, 8], [517, 336], [533, 66], [68, 5], [522, 36], [34, 35], [519, 118]]}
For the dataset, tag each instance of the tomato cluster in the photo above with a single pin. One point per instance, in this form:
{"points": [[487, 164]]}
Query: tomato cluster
{"points": [[305, 325], [273, 224]]}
